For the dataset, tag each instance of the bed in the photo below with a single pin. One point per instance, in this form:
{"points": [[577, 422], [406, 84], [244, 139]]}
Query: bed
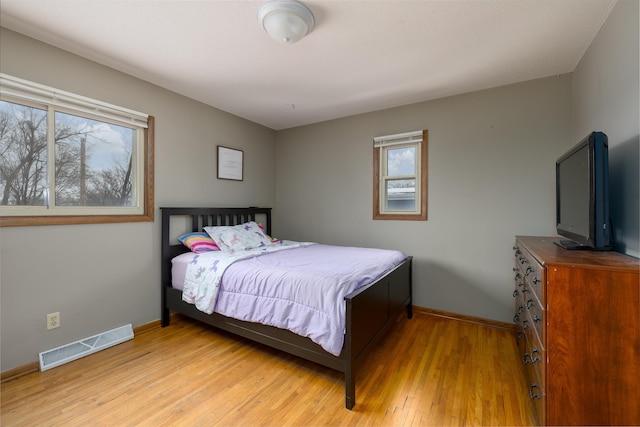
{"points": [[369, 310]]}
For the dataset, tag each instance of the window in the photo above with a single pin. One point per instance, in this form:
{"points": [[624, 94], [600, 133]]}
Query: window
{"points": [[400, 176], [67, 159]]}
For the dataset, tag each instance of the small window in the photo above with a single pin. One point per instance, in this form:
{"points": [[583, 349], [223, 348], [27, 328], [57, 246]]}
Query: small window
{"points": [[400, 176], [66, 159]]}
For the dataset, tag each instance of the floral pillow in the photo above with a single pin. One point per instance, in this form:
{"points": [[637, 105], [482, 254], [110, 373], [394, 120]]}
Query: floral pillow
{"points": [[198, 242], [239, 237]]}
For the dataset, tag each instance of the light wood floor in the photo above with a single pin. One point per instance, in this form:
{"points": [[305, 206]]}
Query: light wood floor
{"points": [[428, 371]]}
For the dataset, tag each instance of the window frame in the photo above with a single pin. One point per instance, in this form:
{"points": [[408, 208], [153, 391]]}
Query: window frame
{"points": [[35, 217], [379, 168]]}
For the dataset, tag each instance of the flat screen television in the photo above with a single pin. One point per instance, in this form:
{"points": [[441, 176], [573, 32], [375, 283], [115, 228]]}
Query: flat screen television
{"points": [[582, 195]]}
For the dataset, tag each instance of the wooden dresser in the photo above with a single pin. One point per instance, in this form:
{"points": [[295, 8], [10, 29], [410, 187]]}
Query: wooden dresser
{"points": [[578, 317]]}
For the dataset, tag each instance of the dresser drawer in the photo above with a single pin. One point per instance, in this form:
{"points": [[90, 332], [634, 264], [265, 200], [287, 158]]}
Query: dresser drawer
{"points": [[535, 354], [518, 318], [536, 314], [534, 361], [536, 394], [519, 306], [534, 274], [518, 293], [535, 280]]}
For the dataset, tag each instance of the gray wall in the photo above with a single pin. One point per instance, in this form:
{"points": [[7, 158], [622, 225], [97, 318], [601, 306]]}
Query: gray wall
{"points": [[103, 276], [491, 176], [606, 88]]}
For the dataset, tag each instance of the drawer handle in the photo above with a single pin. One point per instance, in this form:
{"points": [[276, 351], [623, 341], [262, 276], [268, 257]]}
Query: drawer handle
{"points": [[531, 393], [536, 358], [530, 358]]}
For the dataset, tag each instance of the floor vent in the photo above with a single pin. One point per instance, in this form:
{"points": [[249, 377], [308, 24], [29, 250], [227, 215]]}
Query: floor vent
{"points": [[66, 353]]}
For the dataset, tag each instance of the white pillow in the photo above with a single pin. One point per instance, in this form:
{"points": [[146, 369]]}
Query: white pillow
{"points": [[239, 237]]}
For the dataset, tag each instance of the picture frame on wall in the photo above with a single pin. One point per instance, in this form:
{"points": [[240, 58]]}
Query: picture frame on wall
{"points": [[230, 163]]}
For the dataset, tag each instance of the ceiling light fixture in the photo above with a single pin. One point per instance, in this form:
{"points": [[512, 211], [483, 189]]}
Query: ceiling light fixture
{"points": [[287, 21]]}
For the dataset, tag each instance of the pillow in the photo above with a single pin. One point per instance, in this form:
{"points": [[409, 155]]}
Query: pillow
{"points": [[273, 239], [198, 242], [238, 237]]}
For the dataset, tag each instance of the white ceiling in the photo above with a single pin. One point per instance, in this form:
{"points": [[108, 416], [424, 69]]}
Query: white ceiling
{"points": [[362, 55]]}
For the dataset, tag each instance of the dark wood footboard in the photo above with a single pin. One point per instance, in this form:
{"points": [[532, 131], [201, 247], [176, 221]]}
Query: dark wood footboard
{"points": [[369, 310]]}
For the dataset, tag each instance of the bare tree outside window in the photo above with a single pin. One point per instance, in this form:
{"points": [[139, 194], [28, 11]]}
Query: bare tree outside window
{"points": [[23, 155], [99, 172], [93, 159]]}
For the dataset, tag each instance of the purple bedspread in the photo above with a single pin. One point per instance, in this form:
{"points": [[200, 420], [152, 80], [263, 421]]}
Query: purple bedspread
{"points": [[302, 289]]}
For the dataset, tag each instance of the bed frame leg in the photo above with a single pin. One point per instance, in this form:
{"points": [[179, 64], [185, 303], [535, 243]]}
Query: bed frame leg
{"points": [[165, 317], [165, 314], [350, 389]]}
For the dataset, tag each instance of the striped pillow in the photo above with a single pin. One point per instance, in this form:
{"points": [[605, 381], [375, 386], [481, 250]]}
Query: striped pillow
{"points": [[198, 242]]}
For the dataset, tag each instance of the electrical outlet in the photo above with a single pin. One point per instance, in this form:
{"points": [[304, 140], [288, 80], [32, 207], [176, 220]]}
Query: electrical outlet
{"points": [[53, 320]]}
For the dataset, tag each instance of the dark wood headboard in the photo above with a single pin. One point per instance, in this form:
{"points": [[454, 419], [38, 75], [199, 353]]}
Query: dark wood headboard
{"points": [[203, 217]]}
